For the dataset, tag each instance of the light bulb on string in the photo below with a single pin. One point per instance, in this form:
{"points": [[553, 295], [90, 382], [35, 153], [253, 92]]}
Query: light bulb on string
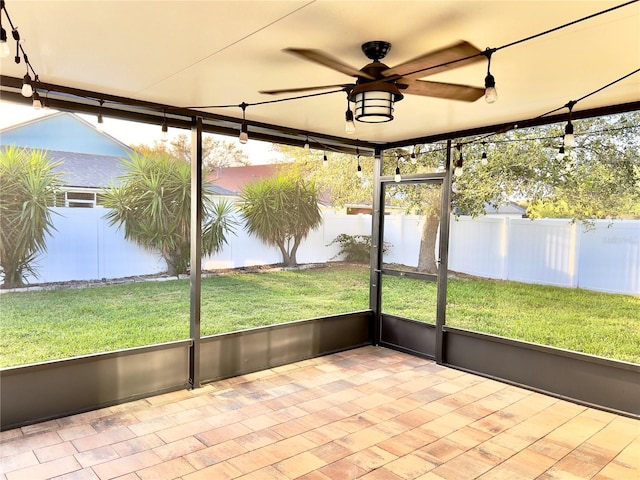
{"points": [[100, 119], [414, 158], [244, 133], [349, 124], [483, 159], [37, 103], [27, 88], [5, 51], [164, 136], [490, 92], [569, 138], [359, 169], [244, 130], [397, 178], [306, 144], [458, 170], [560, 154], [325, 160]]}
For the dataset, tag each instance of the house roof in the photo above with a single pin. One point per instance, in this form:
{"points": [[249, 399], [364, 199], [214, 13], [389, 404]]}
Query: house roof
{"points": [[223, 53], [234, 179], [87, 170], [511, 208]]}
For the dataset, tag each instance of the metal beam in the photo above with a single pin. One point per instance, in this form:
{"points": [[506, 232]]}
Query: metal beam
{"points": [[375, 275], [196, 252], [443, 261]]}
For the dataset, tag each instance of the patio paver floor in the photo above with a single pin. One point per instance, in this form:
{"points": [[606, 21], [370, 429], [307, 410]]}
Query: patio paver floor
{"points": [[369, 413]]}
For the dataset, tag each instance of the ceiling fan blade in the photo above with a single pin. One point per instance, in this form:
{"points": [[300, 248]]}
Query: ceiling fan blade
{"points": [[322, 58], [436, 61], [306, 89], [451, 91]]}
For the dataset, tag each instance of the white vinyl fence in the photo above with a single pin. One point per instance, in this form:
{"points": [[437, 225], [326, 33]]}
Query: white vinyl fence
{"points": [[605, 257]]}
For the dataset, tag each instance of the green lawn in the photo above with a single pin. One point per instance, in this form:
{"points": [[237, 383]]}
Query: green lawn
{"points": [[45, 325]]}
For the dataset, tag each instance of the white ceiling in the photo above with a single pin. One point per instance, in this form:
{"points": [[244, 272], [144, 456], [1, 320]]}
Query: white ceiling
{"points": [[193, 53]]}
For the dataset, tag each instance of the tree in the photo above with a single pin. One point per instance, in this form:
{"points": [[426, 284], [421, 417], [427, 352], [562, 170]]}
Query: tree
{"points": [[281, 211], [28, 186], [598, 178], [153, 203], [215, 153]]}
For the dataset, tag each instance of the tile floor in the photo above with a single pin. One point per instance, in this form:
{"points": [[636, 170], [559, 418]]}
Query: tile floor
{"points": [[368, 413]]}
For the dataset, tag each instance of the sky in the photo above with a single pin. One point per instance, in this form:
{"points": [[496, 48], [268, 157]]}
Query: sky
{"points": [[133, 133]]}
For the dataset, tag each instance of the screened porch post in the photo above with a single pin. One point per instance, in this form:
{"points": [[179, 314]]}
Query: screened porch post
{"points": [[375, 287], [196, 247], [443, 258]]}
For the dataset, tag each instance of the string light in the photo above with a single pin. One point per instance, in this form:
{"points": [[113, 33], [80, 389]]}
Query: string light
{"points": [[397, 178], [37, 104], [244, 132], [5, 51], [359, 170], [349, 124], [414, 157], [100, 119], [325, 161], [569, 138], [458, 170], [483, 159], [560, 154], [16, 36], [165, 128], [490, 93], [306, 143], [27, 89]]}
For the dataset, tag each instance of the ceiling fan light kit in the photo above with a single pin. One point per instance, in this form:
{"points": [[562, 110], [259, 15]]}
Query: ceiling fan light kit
{"points": [[374, 101]]}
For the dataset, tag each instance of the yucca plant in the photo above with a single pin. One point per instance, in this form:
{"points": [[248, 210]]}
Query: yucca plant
{"points": [[153, 204], [28, 186], [281, 211]]}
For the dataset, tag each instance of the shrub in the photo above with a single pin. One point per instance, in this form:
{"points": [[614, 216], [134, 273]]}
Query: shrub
{"points": [[355, 248]]}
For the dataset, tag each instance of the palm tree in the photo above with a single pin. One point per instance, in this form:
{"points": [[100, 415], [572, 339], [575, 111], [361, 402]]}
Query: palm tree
{"points": [[153, 203], [27, 188], [281, 211]]}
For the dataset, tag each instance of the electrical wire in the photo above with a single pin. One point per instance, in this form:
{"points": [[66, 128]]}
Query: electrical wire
{"points": [[265, 102], [526, 39], [19, 44]]}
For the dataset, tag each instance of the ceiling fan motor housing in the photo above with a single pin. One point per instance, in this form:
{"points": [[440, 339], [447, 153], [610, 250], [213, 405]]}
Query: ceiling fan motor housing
{"points": [[376, 49]]}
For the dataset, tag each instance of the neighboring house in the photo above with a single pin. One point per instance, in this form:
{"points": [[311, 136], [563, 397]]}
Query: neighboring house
{"points": [[90, 160], [511, 209], [234, 179]]}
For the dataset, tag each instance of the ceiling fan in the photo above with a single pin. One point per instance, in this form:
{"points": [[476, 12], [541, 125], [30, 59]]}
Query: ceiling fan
{"points": [[401, 79]]}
